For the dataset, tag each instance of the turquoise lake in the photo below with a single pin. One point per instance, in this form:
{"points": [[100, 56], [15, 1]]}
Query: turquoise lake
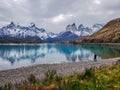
{"points": [[18, 55]]}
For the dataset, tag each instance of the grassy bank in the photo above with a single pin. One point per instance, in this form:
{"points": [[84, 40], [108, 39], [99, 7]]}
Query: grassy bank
{"points": [[103, 78]]}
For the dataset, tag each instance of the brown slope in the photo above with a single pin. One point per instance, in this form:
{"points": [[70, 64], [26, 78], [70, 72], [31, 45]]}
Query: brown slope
{"points": [[110, 33]]}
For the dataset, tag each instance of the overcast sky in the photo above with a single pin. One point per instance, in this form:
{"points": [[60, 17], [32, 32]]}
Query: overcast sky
{"points": [[55, 15]]}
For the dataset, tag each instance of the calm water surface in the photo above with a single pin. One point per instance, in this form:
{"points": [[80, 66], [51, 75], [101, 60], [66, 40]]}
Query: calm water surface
{"points": [[19, 55]]}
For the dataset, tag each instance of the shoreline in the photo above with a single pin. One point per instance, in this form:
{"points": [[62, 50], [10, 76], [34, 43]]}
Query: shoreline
{"points": [[64, 69], [102, 43]]}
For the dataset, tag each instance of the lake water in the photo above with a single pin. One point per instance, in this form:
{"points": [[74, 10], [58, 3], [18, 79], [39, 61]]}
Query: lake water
{"points": [[19, 55]]}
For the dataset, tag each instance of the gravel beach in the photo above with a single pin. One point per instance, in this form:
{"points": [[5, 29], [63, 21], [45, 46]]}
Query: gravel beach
{"points": [[64, 69]]}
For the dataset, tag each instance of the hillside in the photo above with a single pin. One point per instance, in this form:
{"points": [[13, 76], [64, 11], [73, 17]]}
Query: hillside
{"points": [[110, 33]]}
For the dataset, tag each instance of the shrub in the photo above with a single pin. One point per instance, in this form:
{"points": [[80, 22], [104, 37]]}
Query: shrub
{"points": [[50, 74], [89, 73], [50, 77], [32, 78]]}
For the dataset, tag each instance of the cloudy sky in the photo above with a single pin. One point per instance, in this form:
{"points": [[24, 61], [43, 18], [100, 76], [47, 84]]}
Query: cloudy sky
{"points": [[55, 15]]}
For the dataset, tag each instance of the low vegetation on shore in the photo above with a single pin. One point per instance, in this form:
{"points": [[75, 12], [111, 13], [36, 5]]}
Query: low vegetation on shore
{"points": [[102, 78]]}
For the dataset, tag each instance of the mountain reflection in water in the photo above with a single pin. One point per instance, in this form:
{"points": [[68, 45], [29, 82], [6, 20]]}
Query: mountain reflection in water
{"points": [[18, 55]]}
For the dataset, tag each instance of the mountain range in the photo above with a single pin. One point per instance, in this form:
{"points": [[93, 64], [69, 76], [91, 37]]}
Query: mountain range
{"points": [[110, 33], [15, 33]]}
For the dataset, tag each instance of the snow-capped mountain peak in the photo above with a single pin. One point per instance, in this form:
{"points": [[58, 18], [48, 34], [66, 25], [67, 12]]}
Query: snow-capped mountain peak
{"points": [[80, 27], [32, 24], [71, 28], [73, 24], [11, 25], [82, 31], [32, 31]]}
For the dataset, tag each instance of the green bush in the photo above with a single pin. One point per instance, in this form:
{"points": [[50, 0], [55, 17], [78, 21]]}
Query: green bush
{"points": [[32, 78], [6, 87], [51, 77]]}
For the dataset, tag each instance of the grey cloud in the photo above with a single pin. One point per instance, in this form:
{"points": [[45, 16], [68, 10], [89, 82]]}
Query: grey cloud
{"points": [[43, 12]]}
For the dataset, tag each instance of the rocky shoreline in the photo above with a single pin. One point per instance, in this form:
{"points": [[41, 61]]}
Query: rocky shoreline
{"points": [[64, 69]]}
